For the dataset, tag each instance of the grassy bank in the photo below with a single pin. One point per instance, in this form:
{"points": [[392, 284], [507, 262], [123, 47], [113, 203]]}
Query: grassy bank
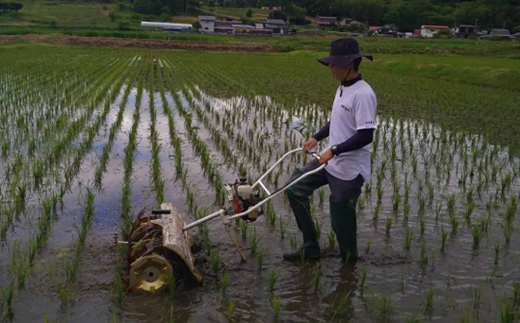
{"points": [[287, 44]]}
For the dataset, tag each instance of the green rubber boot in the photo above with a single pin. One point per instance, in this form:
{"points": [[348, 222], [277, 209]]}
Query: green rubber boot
{"points": [[344, 224]]}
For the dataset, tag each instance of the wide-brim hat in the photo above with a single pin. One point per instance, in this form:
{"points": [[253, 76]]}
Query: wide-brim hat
{"points": [[342, 52]]}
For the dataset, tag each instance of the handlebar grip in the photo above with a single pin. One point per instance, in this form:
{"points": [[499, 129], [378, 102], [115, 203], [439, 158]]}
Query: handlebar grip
{"points": [[314, 154]]}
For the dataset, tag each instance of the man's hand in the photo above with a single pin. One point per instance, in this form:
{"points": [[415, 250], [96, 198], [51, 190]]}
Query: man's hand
{"points": [[309, 144], [326, 156]]}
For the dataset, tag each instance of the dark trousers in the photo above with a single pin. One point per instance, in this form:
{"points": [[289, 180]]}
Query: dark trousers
{"points": [[343, 199]]}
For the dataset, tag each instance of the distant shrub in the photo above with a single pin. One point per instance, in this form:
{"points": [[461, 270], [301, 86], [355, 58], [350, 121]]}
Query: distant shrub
{"points": [[122, 6], [112, 15], [495, 38], [443, 34], [249, 13], [300, 21], [228, 3], [123, 25]]}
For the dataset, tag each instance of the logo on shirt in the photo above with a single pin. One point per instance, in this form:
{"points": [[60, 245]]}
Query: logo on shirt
{"points": [[346, 108]]}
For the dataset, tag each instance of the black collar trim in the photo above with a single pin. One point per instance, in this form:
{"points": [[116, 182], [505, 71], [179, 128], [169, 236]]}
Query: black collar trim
{"points": [[351, 82]]}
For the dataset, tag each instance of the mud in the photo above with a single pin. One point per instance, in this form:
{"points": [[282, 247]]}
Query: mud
{"points": [[107, 42]]}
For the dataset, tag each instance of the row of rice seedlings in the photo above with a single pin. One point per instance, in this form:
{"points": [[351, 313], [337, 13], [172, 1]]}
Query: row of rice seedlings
{"points": [[129, 152], [157, 181], [49, 208], [71, 265], [80, 150], [46, 126], [114, 130], [200, 148]]}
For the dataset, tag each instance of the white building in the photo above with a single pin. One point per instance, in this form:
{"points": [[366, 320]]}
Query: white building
{"points": [[427, 31], [166, 26], [207, 24]]}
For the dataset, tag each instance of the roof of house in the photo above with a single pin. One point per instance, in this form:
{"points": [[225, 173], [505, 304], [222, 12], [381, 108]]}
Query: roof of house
{"points": [[467, 26], [374, 27], [497, 31], [207, 18], [275, 21], [244, 26], [434, 27], [327, 19]]}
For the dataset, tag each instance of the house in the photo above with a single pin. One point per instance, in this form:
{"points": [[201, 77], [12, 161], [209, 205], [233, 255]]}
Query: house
{"points": [[427, 31], [226, 26], [327, 21], [374, 29], [464, 31], [273, 8], [249, 30], [351, 23], [516, 35], [388, 30], [207, 24], [501, 33], [416, 32], [277, 25]]}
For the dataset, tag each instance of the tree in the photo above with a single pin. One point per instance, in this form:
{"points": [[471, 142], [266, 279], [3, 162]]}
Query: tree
{"points": [[112, 15], [228, 3], [249, 13], [10, 6]]}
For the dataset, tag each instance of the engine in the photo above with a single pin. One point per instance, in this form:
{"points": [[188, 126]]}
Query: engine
{"points": [[242, 198]]}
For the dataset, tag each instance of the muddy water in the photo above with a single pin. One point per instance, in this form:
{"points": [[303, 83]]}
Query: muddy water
{"points": [[453, 275]]}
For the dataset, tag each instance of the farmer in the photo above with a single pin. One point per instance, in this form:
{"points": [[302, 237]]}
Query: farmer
{"points": [[351, 131]]}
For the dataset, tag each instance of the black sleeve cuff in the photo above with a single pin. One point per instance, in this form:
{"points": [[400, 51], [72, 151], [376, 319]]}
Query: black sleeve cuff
{"points": [[323, 133]]}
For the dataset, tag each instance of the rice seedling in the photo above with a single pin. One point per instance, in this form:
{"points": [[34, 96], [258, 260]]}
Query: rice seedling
{"points": [[7, 298], [283, 228], [454, 224], [318, 226], [424, 256], [224, 283], [444, 239], [497, 253], [260, 259], [302, 262], [275, 303], [384, 308], [294, 243], [273, 277], [231, 309], [508, 231], [367, 248], [477, 233], [468, 212], [340, 308], [331, 236], [377, 210], [408, 239], [271, 215], [388, 226], [364, 273], [316, 279], [215, 261], [243, 229], [422, 223], [254, 241], [428, 310], [477, 299], [321, 196]]}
